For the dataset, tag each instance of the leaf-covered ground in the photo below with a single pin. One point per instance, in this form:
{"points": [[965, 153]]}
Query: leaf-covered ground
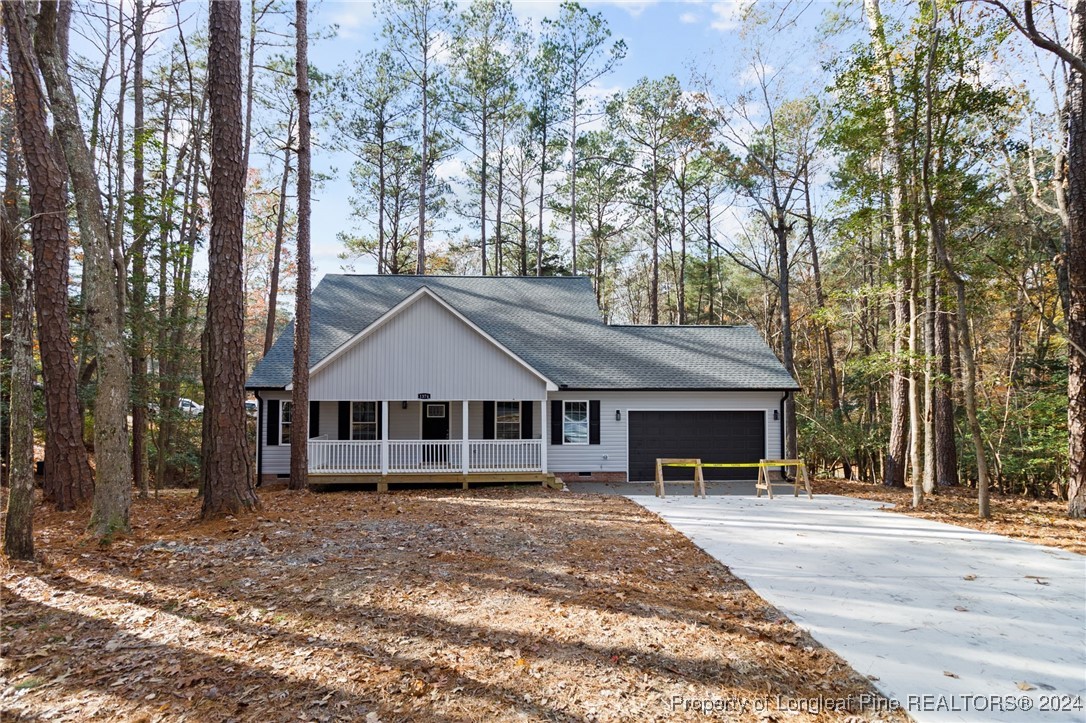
{"points": [[413, 606], [1043, 522]]}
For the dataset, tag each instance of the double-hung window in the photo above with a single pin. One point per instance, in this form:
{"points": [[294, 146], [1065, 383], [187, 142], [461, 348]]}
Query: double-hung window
{"points": [[507, 420], [574, 422], [364, 420], [286, 413]]}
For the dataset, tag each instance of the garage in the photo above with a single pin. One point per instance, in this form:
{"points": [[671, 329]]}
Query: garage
{"points": [[711, 436]]}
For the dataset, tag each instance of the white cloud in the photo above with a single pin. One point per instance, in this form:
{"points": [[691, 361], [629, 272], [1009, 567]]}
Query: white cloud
{"points": [[725, 15], [689, 18], [352, 17]]}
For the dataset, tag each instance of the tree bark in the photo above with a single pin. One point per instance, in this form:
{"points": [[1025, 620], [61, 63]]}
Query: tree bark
{"points": [[1076, 269], [277, 253], [19, 518], [140, 232], [227, 483], [68, 477], [946, 446], [299, 428], [113, 483]]}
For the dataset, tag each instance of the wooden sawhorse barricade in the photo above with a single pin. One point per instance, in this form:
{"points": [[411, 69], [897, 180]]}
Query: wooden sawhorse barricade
{"points": [[763, 483]]}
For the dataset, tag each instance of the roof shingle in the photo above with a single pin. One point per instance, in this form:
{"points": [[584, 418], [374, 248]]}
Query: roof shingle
{"points": [[553, 324]]}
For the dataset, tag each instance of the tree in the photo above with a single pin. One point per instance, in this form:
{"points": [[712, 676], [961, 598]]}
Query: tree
{"points": [[227, 481], [299, 430], [899, 395], [482, 90], [1073, 54], [68, 478], [103, 279], [19, 518], [578, 41], [417, 34], [644, 117]]}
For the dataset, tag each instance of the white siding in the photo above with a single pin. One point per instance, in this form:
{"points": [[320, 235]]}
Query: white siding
{"points": [[276, 459], [425, 348], [610, 454]]}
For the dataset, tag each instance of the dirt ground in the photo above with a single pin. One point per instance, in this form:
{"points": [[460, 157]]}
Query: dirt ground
{"points": [[493, 605], [1044, 522]]}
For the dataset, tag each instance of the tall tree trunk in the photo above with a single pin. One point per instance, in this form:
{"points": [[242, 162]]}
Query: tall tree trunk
{"points": [[894, 471], [542, 195], [299, 428], [573, 177], [482, 197], [791, 446], [68, 478], [424, 163], [113, 483], [681, 280], [140, 232], [227, 483], [654, 287], [946, 446], [1076, 269], [19, 518], [277, 253]]}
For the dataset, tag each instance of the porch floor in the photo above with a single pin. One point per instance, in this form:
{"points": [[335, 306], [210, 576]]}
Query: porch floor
{"points": [[465, 481]]}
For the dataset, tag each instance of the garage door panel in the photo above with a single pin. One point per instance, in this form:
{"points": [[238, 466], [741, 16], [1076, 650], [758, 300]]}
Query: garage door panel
{"points": [[706, 435]]}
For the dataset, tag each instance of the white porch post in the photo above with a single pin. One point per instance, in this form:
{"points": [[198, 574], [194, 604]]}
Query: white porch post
{"points": [[384, 437], [544, 433], [464, 459]]}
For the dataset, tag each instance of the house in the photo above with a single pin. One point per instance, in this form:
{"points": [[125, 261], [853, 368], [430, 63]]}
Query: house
{"points": [[511, 378]]}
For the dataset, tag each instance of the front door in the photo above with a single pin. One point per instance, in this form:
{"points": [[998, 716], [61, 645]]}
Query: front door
{"points": [[435, 426]]}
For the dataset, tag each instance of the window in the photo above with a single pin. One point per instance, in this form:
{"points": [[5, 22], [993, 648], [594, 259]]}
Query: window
{"points": [[286, 413], [364, 420], [574, 422], [507, 420], [435, 411]]}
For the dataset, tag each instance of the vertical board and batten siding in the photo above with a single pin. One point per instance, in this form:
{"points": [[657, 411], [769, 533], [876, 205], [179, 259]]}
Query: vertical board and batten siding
{"points": [[425, 348], [610, 454]]}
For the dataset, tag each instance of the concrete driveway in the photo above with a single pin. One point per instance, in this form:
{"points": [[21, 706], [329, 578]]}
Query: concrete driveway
{"points": [[954, 624]]}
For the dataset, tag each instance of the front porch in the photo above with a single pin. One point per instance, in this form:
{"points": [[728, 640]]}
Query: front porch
{"points": [[458, 440]]}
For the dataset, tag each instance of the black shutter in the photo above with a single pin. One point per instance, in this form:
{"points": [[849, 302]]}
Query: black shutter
{"points": [[380, 420], [488, 420], [594, 421], [556, 421], [314, 419], [344, 420], [526, 420], [273, 422]]}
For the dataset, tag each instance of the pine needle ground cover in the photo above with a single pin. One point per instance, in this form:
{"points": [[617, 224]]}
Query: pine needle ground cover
{"points": [[485, 605]]}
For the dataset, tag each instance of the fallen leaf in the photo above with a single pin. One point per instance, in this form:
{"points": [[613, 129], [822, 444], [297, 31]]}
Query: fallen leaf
{"points": [[1023, 685]]}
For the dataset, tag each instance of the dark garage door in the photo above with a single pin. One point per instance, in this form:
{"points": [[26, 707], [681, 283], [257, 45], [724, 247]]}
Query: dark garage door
{"points": [[708, 436]]}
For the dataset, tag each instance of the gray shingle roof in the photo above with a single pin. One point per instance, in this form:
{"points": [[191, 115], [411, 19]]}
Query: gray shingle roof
{"points": [[553, 324]]}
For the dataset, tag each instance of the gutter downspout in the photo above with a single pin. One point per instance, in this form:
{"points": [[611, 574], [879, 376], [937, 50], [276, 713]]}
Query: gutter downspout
{"points": [[782, 449], [259, 438]]}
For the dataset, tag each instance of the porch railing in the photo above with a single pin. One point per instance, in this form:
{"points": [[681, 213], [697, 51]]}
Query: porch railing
{"points": [[348, 457], [406, 456], [410, 456], [505, 455]]}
